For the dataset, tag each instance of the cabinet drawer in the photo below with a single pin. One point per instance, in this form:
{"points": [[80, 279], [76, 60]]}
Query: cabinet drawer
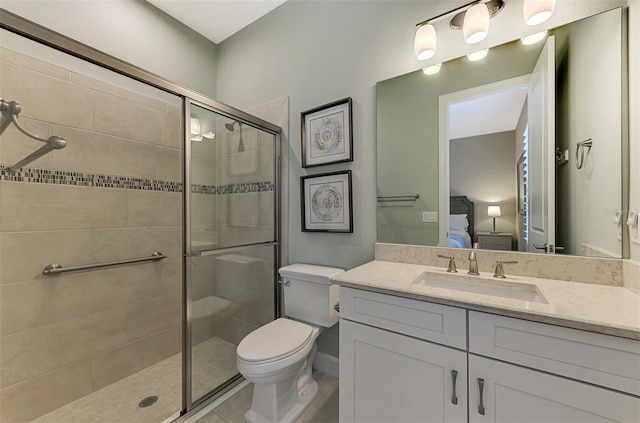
{"points": [[591, 357], [432, 322]]}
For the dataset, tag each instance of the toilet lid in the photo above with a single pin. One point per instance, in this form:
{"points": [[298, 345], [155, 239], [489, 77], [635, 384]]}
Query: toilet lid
{"points": [[277, 339]]}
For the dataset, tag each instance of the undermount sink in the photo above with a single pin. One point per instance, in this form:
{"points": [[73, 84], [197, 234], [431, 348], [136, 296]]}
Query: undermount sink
{"points": [[503, 289]]}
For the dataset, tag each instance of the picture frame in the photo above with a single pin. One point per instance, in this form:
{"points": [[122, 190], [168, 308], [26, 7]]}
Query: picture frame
{"points": [[327, 134], [326, 202]]}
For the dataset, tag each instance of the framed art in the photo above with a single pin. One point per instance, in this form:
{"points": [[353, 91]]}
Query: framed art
{"points": [[327, 134], [326, 202]]}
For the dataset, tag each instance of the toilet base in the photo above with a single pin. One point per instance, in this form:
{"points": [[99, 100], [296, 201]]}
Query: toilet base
{"points": [[284, 401], [298, 405]]}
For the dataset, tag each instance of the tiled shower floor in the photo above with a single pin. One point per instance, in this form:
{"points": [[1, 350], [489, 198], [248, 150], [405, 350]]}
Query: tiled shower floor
{"points": [[214, 359]]}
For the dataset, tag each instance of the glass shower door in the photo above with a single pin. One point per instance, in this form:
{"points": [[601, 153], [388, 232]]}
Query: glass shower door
{"points": [[232, 248]]}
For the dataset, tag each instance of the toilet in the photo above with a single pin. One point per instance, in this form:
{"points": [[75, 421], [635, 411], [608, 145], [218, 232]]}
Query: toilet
{"points": [[277, 357]]}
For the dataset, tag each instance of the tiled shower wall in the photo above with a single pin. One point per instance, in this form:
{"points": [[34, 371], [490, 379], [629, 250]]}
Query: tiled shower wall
{"points": [[113, 193]]}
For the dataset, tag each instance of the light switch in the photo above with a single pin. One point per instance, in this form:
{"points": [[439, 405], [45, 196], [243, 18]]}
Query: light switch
{"points": [[430, 217]]}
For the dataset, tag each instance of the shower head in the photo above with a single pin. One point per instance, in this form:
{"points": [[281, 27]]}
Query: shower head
{"points": [[231, 126]]}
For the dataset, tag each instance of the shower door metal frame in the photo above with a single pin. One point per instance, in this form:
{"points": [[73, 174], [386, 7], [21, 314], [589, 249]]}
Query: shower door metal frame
{"points": [[32, 31], [276, 243]]}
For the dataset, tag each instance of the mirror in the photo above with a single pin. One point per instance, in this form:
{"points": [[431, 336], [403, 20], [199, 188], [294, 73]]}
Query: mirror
{"points": [[546, 152]]}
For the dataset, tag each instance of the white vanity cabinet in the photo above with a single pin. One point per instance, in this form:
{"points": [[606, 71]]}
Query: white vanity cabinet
{"points": [[568, 375], [516, 394], [393, 374], [397, 356]]}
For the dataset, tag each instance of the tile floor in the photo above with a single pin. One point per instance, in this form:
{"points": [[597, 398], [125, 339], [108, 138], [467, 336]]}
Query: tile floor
{"points": [[213, 363], [323, 409]]}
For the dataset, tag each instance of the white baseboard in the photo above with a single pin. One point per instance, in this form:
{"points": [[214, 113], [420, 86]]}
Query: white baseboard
{"points": [[327, 364]]}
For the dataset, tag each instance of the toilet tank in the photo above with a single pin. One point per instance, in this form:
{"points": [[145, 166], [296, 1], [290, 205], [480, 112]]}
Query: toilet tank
{"points": [[309, 295]]}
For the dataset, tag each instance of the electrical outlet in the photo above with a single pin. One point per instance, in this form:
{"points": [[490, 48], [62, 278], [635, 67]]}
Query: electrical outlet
{"points": [[430, 217]]}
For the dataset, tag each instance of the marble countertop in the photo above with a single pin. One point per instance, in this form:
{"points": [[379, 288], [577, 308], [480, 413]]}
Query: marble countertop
{"points": [[596, 308]]}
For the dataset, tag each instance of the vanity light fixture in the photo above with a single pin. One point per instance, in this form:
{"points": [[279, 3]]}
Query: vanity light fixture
{"points": [[533, 38], [432, 70], [472, 18], [477, 55], [537, 11]]}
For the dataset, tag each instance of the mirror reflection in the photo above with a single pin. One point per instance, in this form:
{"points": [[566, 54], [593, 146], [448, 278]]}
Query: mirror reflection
{"points": [[521, 150]]}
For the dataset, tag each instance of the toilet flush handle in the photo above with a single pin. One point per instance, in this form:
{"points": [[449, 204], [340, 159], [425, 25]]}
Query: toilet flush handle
{"points": [[285, 283]]}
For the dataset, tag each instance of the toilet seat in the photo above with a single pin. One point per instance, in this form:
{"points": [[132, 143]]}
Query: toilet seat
{"points": [[258, 347]]}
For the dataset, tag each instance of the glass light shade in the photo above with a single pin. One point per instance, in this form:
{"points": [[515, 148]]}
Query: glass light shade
{"points": [[533, 38], [195, 126], [476, 23], [478, 55], [425, 42], [494, 211], [432, 70], [537, 11]]}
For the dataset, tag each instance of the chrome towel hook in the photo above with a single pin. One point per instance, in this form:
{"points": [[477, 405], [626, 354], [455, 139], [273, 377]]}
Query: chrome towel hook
{"points": [[580, 146]]}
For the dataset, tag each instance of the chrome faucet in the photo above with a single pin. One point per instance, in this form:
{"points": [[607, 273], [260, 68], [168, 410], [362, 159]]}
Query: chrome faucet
{"points": [[499, 272], [452, 263], [473, 263]]}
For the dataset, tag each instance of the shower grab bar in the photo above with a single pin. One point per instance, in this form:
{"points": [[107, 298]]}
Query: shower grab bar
{"points": [[392, 198], [54, 268], [10, 111]]}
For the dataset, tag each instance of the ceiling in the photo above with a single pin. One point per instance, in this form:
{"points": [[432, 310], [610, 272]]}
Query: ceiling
{"points": [[216, 19], [487, 114]]}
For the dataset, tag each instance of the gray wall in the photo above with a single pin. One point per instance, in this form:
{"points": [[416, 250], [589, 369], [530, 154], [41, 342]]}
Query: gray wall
{"points": [[483, 169], [133, 31]]}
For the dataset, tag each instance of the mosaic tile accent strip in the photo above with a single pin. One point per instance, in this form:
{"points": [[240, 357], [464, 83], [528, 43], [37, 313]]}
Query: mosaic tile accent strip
{"points": [[59, 177], [233, 188]]}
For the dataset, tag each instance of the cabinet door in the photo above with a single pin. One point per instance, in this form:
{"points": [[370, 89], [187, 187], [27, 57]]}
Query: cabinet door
{"points": [[513, 394], [386, 377]]}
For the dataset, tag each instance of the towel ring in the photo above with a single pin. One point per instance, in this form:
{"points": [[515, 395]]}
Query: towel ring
{"points": [[580, 146]]}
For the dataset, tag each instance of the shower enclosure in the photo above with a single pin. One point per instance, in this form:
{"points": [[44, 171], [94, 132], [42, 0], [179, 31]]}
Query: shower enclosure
{"points": [[134, 259], [231, 235]]}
